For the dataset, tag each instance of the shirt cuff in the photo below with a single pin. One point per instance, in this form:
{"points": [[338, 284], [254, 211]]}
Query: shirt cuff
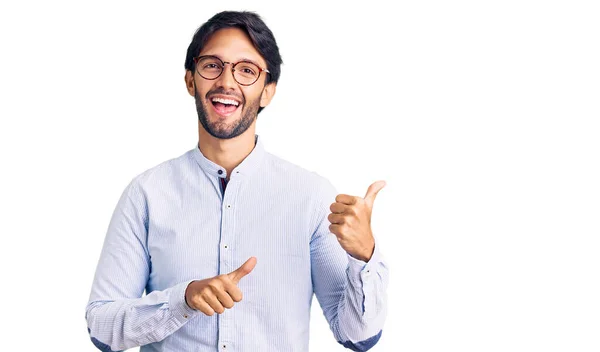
{"points": [[359, 271], [177, 305]]}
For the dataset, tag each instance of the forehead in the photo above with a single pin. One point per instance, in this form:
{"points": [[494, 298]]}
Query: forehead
{"points": [[232, 44]]}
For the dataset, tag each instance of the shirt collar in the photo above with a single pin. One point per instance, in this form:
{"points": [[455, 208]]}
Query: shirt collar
{"points": [[246, 167]]}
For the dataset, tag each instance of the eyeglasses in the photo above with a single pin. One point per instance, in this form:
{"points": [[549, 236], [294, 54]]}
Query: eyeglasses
{"points": [[211, 67]]}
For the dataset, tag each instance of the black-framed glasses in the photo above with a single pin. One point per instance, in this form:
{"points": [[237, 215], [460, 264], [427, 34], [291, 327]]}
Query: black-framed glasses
{"points": [[211, 67]]}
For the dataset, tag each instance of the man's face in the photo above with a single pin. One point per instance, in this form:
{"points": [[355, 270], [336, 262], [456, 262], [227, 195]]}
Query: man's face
{"points": [[217, 117]]}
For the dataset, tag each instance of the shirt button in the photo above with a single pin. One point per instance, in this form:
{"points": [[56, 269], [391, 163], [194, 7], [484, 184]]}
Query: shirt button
{"points": [[228, 206], [220, 172], [226, 246], [185, 316]]}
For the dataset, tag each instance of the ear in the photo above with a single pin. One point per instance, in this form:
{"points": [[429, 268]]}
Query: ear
{"points": [[268, 93], [189, 82]]}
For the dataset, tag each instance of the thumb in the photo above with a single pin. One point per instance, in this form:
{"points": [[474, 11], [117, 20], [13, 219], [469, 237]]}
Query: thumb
{"points": [[243, 270], [372, 192]]}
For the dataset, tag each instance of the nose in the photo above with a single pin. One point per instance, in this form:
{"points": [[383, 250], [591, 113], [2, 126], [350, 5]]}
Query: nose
{"points": [[226, 79]]}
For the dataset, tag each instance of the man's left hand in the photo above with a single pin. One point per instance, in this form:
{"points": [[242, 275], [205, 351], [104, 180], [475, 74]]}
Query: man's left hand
{"points": [[351, 222]]}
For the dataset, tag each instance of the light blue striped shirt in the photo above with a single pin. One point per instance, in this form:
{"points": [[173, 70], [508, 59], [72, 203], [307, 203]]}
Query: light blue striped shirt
{"points": [[174, 224]]}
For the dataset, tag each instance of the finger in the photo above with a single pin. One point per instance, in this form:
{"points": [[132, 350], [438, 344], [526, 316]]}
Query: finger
{"points": [[203, 307], [372, 192], [224, 299], [336, 230], [243, 270], [346, 199], [336, 218], [210, 298], [234, 292], [338, 208]]}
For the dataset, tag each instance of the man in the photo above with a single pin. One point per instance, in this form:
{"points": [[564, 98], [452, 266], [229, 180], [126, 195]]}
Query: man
{"points": [[228, 241]]}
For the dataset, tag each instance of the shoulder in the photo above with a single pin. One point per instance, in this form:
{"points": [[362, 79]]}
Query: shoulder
{"points": [[161, 174], [300, 178]]}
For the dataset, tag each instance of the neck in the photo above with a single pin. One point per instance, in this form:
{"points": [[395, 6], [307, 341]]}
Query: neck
{"points": [[227, 153]]}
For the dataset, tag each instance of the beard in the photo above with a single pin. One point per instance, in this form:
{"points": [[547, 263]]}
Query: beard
{"points": [[223, 130]]}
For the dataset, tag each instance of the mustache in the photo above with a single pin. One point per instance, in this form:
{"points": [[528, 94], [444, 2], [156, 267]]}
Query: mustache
{"points": [[222, 91]]}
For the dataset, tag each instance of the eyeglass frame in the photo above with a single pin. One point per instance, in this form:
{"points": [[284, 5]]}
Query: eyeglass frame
{"points": [[261, 70]]}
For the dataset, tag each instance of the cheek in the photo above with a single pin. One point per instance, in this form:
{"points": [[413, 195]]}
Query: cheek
{"points": [[252, 95], [202, 87], [200, 91]]}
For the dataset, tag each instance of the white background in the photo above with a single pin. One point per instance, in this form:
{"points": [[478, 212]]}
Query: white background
{"points": [[482, 116]]}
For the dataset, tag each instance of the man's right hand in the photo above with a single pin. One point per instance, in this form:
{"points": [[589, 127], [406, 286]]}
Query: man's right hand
{"points": [[219, 292]]}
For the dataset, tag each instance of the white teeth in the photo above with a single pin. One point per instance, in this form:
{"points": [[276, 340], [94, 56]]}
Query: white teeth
{"points": [[225, 101]]}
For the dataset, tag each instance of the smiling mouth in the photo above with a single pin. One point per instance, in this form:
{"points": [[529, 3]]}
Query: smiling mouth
{"points": [[224, 106]]}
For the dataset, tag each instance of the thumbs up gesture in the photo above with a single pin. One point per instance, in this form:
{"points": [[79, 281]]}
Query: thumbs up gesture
{"points": [[351, 222], [219, 292]]}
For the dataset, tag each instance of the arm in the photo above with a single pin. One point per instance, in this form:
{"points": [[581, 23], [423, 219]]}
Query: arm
{"points": [[117, 315], [351, 292]]}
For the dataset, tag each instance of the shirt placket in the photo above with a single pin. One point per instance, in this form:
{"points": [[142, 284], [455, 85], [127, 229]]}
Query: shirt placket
{"points": [[226, 256]]}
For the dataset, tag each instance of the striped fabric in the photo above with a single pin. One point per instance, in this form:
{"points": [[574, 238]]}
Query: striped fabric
{"points": [[174, 224]]}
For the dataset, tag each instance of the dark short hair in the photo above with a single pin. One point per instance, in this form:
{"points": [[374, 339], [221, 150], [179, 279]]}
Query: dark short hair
{"points": [[251, 23]]}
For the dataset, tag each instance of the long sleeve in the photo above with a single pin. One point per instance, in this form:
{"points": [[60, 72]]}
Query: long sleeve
{"points": [[352, 293], [117, 315]]}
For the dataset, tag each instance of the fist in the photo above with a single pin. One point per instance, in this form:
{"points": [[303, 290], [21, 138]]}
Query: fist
{"points": [[219, 292], [351, 222]]}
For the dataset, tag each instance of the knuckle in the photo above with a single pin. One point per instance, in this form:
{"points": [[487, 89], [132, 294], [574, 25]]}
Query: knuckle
{"points": [[204, 294], [197, 301], [226, 280], [216, 282]]}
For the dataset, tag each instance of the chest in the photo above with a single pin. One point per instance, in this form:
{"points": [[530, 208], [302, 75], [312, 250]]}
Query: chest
{"points": [[201, 235]]}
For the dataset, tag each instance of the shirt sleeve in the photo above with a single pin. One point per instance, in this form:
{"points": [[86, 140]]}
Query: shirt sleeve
{"points": [[117, 315], [351, 293]]}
